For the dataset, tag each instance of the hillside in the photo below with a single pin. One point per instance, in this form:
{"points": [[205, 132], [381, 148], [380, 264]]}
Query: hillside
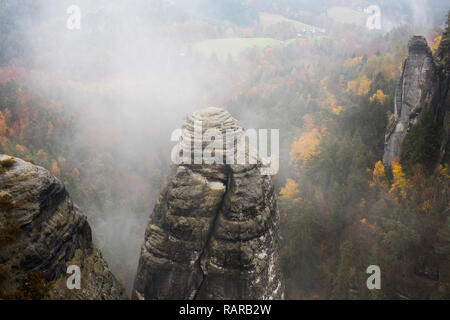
{"points": [[224, 49], [99, 107], [268, 19]]}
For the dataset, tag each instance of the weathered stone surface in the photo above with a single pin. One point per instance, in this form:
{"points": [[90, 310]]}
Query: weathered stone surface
{"points": [[214, 230], [441, 100], [424, 85], [416, 87], [54, 234]]}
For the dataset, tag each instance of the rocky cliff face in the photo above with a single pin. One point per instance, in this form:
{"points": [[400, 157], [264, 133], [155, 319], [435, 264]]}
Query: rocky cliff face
{"points": [[423, 85], [415, 88], [442, 97], [42, 232], [213, 233]]}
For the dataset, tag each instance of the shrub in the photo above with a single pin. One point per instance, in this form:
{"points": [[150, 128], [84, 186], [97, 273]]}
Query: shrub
{"points": [[7, 162]]}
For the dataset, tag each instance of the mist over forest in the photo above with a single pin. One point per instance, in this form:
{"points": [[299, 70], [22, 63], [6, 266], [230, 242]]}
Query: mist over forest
{"points": [[96, 104]]}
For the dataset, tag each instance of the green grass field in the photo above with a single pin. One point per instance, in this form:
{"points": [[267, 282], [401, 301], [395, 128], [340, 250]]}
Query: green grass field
{"points": [[268, 19], [234, 47], [231, 46], [347, 15]]}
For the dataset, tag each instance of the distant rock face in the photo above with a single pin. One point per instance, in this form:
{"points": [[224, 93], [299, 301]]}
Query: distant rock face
{"points": [[49, 234], [441, 100], [213, 233], [415, 89]]}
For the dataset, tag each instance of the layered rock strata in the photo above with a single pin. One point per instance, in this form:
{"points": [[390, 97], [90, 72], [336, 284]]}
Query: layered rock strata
{"points": [[42, 233], [213, 233]]}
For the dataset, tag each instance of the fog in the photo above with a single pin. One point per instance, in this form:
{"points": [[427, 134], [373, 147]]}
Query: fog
{"points": [[129, 86], [129, 83], [421, 13]]}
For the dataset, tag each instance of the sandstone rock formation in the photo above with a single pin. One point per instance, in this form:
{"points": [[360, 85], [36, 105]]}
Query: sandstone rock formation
{"points": [[42, 232], [441, 100], [213, 233], [415, 89]]}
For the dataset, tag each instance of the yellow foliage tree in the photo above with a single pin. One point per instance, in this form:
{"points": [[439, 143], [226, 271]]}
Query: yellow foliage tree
{"points": [[379, 96], [290, 191], [444, 171], [364, 86], [378, 171], [55, 169], [399, 186], [436, 43], [305, 147], [378, 175], [330, 101], [359, 87], [337, 110]]}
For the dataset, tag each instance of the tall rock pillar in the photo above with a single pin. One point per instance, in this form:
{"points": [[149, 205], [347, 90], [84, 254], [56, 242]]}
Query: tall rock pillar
{"points": [[214, 231]]}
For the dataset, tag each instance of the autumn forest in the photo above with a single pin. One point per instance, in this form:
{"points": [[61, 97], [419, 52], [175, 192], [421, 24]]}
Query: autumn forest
{"points": [[96, 108]]}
